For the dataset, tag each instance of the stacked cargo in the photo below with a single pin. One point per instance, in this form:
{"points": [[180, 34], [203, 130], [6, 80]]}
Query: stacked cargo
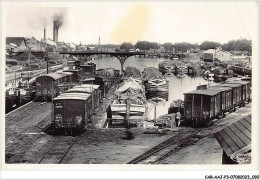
{"points": [[181, 67], [134, 73], [129, 104], [176, 106], [166, 67], [156, 85]]}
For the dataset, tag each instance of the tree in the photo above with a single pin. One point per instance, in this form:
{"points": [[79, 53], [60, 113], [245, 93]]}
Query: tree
{"points": [[209, 45], [237, 45], [126, 46], [184, 46], [146, 45], [168, 46]]}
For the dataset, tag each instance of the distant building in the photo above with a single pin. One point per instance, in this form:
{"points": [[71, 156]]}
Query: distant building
{"points": [[63, 46], [34, 44], [17, 43], [72, 46], [216, 54], [49, 44]]}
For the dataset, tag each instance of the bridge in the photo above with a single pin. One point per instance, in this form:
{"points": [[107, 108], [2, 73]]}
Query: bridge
{"points": [[120, 55]]}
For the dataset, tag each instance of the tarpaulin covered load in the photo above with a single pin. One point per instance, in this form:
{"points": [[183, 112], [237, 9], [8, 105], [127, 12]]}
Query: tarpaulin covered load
{"points": [[134, 73], [166, 66], [156, 85], [152, 73], [176, 106], [129, 84]]}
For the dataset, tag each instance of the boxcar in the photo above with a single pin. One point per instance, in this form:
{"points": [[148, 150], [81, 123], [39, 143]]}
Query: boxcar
{"points": [[201, 106], [75, 74], [47, 85], [93, 90], [70, 112], [226, 98], [236, 92], [89, 67], [246, 89]]}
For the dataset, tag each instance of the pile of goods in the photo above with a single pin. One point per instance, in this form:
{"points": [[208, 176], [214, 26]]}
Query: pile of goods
{"points": [[167, 67], [156, 85], [129, 104], [134, 73], [176, 106], [166, 121], [242, 158]]}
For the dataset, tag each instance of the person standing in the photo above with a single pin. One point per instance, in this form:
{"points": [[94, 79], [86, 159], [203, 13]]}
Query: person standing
{"points": [[178, 119]]}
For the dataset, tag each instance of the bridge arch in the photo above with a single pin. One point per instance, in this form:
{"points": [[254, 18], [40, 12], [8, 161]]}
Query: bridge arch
{"points": [[121, 56]]}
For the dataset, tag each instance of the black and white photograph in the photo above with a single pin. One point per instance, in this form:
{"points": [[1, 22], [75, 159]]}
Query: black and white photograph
{"points": [[130, 83]]}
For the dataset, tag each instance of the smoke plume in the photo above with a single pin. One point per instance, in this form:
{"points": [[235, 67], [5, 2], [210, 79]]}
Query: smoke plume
{"points": [[59, 19]]}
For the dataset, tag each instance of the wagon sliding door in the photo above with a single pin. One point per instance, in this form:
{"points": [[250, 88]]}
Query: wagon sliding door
{"points": [[212, 107], [74, 112], [188, 106], [206, 106], [217, 104], [196, 110]]}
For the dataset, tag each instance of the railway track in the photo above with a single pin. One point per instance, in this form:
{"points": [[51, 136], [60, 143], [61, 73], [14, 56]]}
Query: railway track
{"points": [[163, 149], [184, 138], [29, 110], [29, 142], [16, 137], [59, 149]]}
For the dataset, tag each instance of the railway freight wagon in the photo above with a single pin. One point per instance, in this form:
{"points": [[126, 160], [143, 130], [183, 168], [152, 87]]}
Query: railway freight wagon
{"points": [[156, 85], [47, 85], [242, 70], [201, 106], [226, 99], [70, 112], [236, 93], [75, 75], [91, 89], [246, 89]]}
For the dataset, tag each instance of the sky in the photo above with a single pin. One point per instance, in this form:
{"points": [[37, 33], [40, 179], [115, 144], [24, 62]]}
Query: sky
{"points": [[119, 22]]}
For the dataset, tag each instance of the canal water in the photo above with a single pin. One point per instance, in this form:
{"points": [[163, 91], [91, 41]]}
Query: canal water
{"points": [[177, 85]]}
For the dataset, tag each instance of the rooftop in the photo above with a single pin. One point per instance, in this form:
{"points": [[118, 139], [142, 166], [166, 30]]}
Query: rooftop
{"points": [[236, 138]]}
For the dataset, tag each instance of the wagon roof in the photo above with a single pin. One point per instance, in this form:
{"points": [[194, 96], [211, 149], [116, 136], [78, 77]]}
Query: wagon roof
{"points": [[207, 92], [221, 88], [75, 94], [230, 84], [237, 81], [94, 86], [70, 97], [79, 96], [71, 70], [53, 76], [84, 90]]}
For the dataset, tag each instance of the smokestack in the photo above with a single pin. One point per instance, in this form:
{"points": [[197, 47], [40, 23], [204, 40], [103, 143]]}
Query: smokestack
{"points": [[55, 31], [44, 35]]}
